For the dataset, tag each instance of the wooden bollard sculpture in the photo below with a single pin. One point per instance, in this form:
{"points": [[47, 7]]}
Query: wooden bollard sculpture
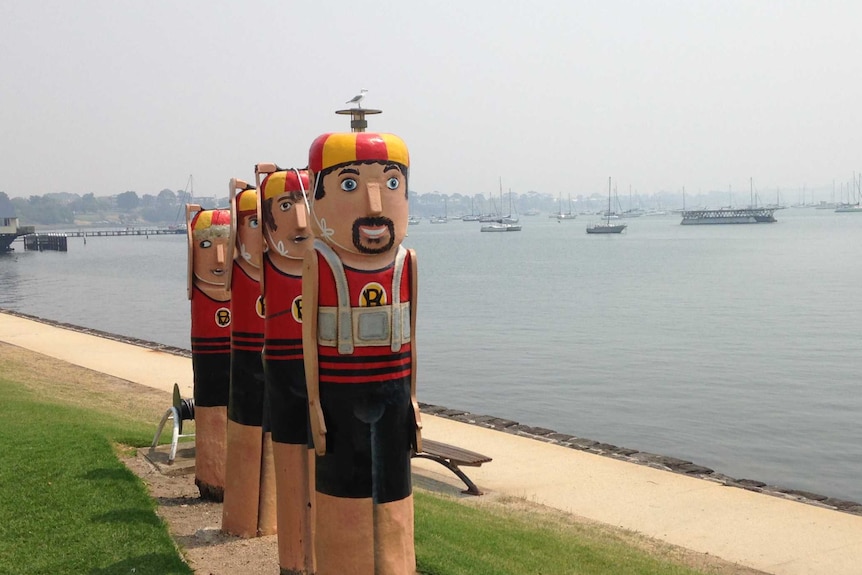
{"points": [[249, 496], [208, 234], [284, 218], [359, 296]]}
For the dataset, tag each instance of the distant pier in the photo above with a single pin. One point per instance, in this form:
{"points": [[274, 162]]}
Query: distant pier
{"points": [[45, 242], [127, 232], [57, 241]]}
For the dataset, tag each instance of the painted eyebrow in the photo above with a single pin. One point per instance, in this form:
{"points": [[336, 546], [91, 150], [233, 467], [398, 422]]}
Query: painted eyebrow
{"points": [[348, 171], [391, 167]]}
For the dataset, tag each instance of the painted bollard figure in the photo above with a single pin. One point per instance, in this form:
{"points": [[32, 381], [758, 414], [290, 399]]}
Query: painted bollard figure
{"points": [[359, 296], [208, 234], [284, 218], [249, 497]]}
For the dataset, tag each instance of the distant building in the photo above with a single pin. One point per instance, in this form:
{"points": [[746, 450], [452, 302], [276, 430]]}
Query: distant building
{"points": [[8, 219], [8, 223]]}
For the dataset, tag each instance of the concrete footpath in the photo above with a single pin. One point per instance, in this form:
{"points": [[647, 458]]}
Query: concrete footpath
{"points": [[756, 530]]}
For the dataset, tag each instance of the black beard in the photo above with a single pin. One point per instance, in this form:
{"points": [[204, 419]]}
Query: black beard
{"points": [[373, 222]]}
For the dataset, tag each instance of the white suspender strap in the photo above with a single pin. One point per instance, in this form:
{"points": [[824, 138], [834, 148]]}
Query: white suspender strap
{"points": [[345, 317], [397, 326]]}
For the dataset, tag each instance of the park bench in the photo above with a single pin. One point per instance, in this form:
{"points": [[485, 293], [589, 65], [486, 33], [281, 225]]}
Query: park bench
{"points": [[449, 456], [453, 458]]}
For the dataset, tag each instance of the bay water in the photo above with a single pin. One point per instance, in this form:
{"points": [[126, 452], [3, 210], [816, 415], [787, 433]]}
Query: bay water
{"points": [[732, 346]]}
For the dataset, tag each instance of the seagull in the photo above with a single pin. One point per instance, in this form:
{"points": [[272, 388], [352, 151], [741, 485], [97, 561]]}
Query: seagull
{"points": [[357, 99]]}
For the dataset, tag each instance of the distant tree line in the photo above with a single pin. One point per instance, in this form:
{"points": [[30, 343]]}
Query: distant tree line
{"points": [[127, 207], [167, 207]]}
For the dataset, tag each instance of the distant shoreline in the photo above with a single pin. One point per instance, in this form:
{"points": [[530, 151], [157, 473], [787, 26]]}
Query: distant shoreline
{"points": [[661, 462]]}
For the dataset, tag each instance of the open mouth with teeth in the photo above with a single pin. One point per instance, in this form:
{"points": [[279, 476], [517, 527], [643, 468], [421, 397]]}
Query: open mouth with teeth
{"points": [[218, 272], [373, 235]]}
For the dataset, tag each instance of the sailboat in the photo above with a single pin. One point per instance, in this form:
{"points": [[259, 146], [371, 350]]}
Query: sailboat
{"points": [[188, 190], [444, 219], [473, 216], [570, 215], [607, 227], [503, 224]]}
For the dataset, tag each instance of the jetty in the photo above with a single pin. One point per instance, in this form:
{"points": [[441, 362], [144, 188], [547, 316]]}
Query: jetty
{"points": [[171, 230], [54, 242]]}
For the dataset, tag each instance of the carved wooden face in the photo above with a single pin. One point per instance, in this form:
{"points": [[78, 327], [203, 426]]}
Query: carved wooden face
{"points": [[249, 243], [364, 209], [287, 233], [209, 258]]}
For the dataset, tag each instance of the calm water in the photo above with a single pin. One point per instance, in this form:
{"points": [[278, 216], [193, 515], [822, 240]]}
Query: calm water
{"points": [[735, 347]]}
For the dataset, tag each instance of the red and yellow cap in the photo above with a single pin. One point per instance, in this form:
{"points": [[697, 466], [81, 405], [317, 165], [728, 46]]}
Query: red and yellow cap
{"points": [[345, 148], [213, 223], [246, 201], [283, 181]]}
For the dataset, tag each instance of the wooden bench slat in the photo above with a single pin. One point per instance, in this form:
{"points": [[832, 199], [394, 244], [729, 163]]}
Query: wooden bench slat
{"points": [[453, 457], [454, 454]]}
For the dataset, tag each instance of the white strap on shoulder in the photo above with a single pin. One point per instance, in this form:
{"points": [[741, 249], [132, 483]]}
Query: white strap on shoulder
{"points": [[345, 317]]}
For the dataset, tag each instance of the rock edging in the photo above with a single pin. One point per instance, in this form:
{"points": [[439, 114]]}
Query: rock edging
{"points": [[662, 462]]}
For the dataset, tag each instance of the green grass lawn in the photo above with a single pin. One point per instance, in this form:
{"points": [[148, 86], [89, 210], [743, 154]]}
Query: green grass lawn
{"points": [[457, 539], [68, 505]]}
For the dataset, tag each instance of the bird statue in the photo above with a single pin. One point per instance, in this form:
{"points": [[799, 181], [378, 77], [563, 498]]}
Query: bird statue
{"points": [[357, 99]]}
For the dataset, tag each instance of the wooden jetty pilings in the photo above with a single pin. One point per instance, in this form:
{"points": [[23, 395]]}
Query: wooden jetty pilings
{"points": [[41, 242], [56, 241], [126, 232]]}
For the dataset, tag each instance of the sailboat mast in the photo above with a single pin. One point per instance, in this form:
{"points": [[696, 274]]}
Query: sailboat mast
{"points": [[608, 213], [751, 192]]}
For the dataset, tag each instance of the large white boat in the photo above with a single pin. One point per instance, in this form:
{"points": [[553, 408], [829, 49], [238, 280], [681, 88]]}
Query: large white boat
{"points": [[728, 216]]}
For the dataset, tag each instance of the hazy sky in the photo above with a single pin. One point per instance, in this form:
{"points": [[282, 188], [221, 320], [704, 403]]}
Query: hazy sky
{"points": [[554, 96]]}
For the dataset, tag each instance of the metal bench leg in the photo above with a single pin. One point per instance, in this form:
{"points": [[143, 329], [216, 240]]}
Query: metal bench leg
{"points": [[471, 487], [176, 436], [174, 414], [161, 426]]}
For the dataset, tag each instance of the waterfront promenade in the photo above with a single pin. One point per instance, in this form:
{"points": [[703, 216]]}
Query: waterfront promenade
{"points": [[765, 532]]}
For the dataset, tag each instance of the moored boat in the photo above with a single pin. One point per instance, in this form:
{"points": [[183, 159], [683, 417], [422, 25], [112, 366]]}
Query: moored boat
{"points": [[607, 227], [501, 227], [502, 223], [728, 216]]}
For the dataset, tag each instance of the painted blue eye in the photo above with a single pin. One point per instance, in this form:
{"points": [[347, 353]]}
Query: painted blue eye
{"points": [[253, 223], [393, 183], [349, 185], [206, 243]]}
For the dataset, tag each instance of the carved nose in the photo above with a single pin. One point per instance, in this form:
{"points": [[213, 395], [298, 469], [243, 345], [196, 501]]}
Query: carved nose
{"points": [[375, 207], [301, 216]]}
